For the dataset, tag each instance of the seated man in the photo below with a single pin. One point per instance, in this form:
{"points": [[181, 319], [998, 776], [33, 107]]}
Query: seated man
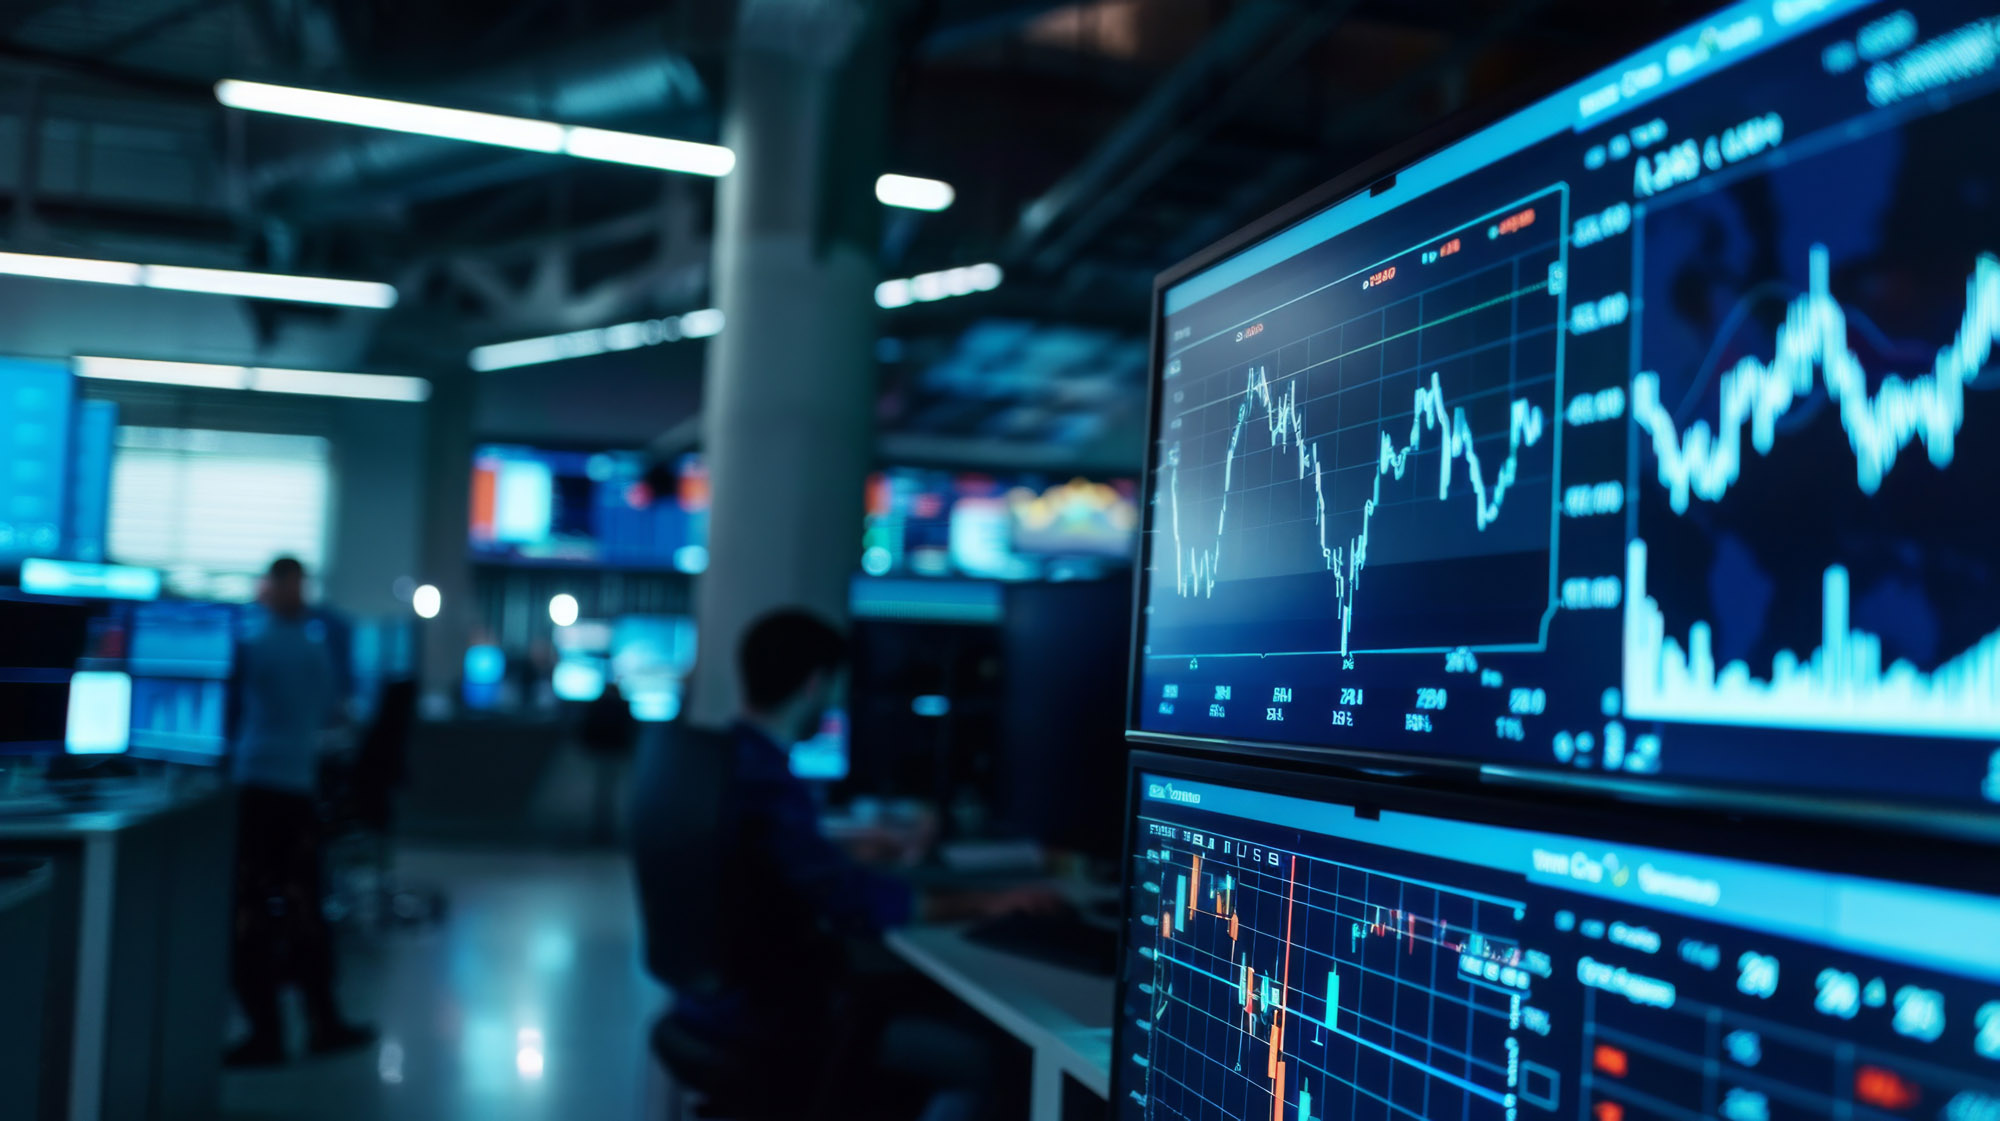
{"points": [[787, 897]]}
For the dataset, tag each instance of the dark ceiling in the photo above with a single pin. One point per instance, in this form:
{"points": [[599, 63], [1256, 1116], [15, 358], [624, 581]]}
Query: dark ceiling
{"points": [[1090, 144]]}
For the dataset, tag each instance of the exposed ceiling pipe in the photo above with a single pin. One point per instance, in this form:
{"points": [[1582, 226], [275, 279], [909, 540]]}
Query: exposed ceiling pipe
{"points": [[1226, 50]]}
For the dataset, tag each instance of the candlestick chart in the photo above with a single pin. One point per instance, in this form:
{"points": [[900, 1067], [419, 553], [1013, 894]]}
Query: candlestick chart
{"points": [[1290, 987]]}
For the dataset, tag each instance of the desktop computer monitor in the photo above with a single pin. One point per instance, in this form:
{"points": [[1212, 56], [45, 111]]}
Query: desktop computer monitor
{"points": [[95, 435], [41, 642], [823, 757], [1630, 439], [651, 658], [1061, 760], [37, 400], [1301, 948], [180, 657]]}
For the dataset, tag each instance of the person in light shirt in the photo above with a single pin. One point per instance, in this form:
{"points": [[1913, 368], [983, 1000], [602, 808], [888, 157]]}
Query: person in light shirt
{"points": [[288, 696]]}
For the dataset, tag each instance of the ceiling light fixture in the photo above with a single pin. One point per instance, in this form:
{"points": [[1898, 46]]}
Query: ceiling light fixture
{"points": [[527, 134], [264, 379], [913, 193], [926, 287], [596, 340], [224, 282], [524, 133]]}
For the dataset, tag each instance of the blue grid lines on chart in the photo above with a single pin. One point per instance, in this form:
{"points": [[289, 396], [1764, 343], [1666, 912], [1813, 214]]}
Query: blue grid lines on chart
{"points": [[1419, 430], [1286, 986]]}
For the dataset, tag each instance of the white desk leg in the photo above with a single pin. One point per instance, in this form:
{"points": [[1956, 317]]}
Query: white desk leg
{"points": [[1046, 1094]]}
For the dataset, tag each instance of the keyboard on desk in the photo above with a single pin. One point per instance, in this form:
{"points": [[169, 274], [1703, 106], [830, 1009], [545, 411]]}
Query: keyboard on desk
{"points": [[1064, 940]]}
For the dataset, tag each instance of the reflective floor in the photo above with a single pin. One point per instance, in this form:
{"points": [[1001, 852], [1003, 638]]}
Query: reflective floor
{"points": [[527, 1000]]}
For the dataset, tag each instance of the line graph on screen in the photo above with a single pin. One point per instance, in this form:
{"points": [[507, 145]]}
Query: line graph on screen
{"points": [[1417, 426]]}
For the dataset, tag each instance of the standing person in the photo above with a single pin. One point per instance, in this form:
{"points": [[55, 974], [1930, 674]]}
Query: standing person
{"points": [[287, 695]]}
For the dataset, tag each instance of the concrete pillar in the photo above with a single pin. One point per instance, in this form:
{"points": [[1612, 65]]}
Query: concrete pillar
{"points": [[790, 386], [443, 550]]}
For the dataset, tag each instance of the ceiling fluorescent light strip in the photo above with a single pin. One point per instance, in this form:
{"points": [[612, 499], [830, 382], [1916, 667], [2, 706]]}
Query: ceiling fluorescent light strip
{"points": [[926, 287], [224, 282], [596, 340], [914, 193], [264, 379], [524, 133]]}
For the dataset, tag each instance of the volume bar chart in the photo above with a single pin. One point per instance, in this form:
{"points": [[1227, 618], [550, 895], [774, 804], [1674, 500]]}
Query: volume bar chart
{"points": [[1842, 685]]}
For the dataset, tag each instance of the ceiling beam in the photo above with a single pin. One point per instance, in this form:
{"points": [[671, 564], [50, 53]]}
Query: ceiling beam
{"points": [[966, 24], [147, 30], [1229, 47], [19, 13], [1117, 196], [159, 85]]}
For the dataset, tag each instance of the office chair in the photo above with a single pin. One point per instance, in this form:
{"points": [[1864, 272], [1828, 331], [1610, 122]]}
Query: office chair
{"points": [[679, 781], [678, 786], [362, 809]]}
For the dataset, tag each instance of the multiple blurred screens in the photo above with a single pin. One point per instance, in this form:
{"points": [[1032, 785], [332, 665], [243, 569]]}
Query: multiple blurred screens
{"points": [[997, 527], [535, 506]]}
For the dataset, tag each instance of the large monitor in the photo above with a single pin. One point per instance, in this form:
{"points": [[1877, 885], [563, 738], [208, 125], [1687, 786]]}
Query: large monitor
{"points": [[1298, 948], [37, 402], [985, 526], [1635, 435], [587, 508], [95, 437]]}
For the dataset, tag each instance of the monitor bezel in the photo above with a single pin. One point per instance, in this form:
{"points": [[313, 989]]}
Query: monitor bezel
{"points": [[1896, 856], [1377, 174]]}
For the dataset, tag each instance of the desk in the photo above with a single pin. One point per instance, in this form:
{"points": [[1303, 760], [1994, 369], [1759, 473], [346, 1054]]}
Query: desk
{"points": [[137, 970], [24, 969], [1064, 1017]]}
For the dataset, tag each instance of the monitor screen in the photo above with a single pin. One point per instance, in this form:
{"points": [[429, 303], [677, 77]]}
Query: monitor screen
{"points": [[1290, 956], [651, 658], [99, 721], [41, 642], [90, 480], [36, 401], [182, 640], [923, 522], [595, 509], [1632, 435], [823, 758], [179, 720], [578, 678], [36, 707]]}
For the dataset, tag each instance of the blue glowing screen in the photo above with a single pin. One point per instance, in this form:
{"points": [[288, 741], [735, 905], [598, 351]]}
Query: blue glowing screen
{"points": [[1640, 434], [1293, 958], [36, 403], [597, 509]]}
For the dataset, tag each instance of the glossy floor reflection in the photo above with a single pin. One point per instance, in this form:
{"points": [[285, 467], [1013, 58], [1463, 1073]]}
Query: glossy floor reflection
{"points": [[526, 1001]]}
